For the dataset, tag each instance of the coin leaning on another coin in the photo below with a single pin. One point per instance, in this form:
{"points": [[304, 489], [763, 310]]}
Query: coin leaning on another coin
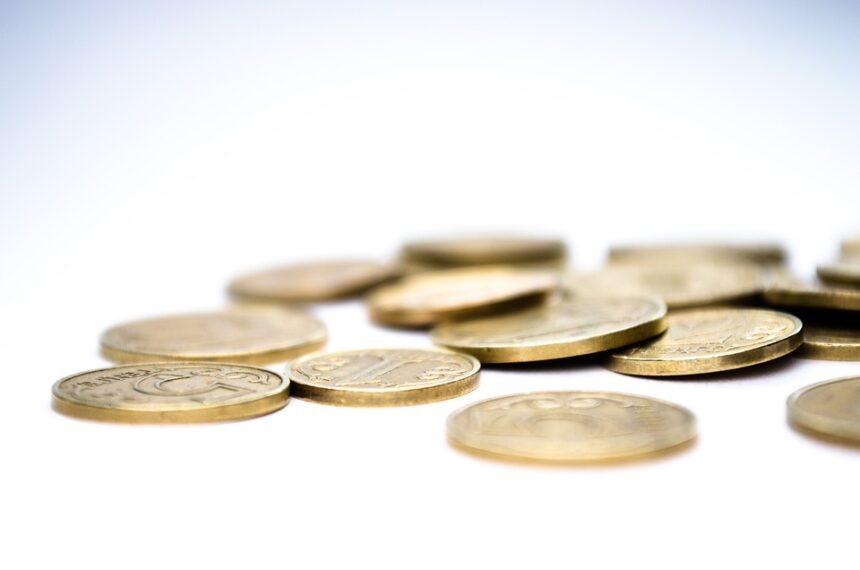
{"points": [[828, 408]]}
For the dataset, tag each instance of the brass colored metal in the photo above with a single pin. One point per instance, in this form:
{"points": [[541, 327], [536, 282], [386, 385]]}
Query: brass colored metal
{"points": [[313, 281], [711, 340], [383, 377], [576, 427], [482, 250], [569, 328], [841, 274], [828, 408], [427, 298], [850, 248], [171, 392], [793, 293], [760, 253], [251, 334], [824, 342]]}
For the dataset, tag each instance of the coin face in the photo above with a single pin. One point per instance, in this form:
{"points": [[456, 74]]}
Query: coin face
{"points": [[170, 392], [247, 334], [843, 273], [829, 408], [762, 253], [423, 299], [480, 250], [678, 285], [825, 342], [792, 293], [383, 377], [570, 328], [315, 281], [711, 340], [570, 426]]}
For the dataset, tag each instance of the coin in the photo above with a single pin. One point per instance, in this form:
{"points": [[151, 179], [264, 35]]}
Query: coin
{"points": [[171, 392], [679, 285], [841, 274], [850, 248], [762, 253], [427, 298], [569, 328], [711, 340], [825, 342], [793, 293], [247, 334], [570, 426], [830, 408], [383, 377], [313, 281], [480, 250]]}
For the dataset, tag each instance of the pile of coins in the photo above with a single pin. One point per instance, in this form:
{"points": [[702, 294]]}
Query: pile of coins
{"points": [[681, 311]]}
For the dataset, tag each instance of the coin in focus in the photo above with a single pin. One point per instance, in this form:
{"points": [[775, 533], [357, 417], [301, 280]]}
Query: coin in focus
{"points": [[483, 250], [760, 253], [711, 340], [312, 281], [793, 293], [569, 328], [383, 377], [570, 426], [171, 392], [250, 334], [826, 342], [427, 298], [841, 274], [678, 285], [830, 408]]}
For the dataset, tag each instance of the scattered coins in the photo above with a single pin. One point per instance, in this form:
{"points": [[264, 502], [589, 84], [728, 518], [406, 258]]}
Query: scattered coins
{"points": [[482, 250], [383, 377], [569, 328], [829, 408], [314, 281], [171, 392], [761, 253], [427, 298], [843, 273], [711, 340], [570, 426], [247, 334], [825, 342], [679, 285], [793, 293]]}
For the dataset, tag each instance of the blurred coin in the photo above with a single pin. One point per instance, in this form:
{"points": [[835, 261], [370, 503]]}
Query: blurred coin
{"points": [[570, 426], [481, 250], [169, 392], [247, 334], [312, 281], [711, 340], [793, 293], [426, 298], [841, 274], [679, 286], [830, 408], [825, 342], [762, 253], [383, 377], [850, 248], [570, 328]]}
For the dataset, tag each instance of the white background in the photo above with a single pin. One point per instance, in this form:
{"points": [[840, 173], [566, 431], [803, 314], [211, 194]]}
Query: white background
{"points": [[148, 154]]}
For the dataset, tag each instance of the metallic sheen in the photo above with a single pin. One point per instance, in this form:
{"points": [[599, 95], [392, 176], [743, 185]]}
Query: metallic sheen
{"points": [[830, 408]]}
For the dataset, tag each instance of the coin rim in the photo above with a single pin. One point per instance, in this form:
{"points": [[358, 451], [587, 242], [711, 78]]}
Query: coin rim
{"points": [[840, 299], [429, 251], [835, 274], [821, 350], [816, 423]]}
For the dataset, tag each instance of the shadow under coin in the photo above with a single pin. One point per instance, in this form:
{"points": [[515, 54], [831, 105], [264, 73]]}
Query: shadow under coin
{"points": [[556, 364]]}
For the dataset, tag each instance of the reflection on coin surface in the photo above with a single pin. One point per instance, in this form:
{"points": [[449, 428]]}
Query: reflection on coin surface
{"points": [[169, 392], [763, 253], [570, 426], [479, 250], [679, 285], [711, 340], [829, 408], [830, 343], [383, 377], [844, 273], [570, 328], [426, 298], [314, 281], [793, 293], [246, 334]]}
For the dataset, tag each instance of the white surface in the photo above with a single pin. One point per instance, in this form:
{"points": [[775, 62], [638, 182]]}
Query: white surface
{"points": [[148, 154]]}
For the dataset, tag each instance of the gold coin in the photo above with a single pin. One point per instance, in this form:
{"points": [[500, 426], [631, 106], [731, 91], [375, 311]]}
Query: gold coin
{"points": [[171, 392], [570, 426], [313, 281], [711, 340], [825, 342], [679, 285], [843, 273], [383, 377], [569, 328], [426, 298], [481, 250], [793, 293], [850, 248], [830, 408], [246, 334], [761, 253]]}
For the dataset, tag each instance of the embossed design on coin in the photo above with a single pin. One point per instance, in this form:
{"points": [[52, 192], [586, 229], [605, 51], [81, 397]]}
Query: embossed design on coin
{"points": [[313, 281], [789, 292], [383, 377], [570, 328], [830, 408], [711, 340], [424, 299], [171, 392], [570, 426], [247, 334], [826, 342], [481, 250]]}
